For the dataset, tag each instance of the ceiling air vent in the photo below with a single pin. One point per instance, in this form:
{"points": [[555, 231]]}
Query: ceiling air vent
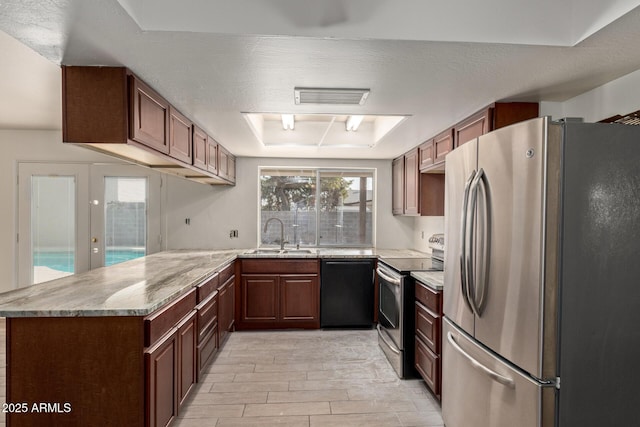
{"points": [[309, 95]]}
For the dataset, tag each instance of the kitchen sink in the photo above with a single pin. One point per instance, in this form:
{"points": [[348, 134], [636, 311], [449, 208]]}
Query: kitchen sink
{"points": [[279, 251]]}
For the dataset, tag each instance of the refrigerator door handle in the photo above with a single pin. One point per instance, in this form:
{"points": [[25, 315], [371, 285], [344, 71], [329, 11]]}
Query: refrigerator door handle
{"points": [[463, 240], [480, 286], [470, 253], [506, 381]]}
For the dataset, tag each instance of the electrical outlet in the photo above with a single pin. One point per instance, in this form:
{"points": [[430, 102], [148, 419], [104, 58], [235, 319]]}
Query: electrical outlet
{"points": [[233, 234], [422, 235], [187, 221]]}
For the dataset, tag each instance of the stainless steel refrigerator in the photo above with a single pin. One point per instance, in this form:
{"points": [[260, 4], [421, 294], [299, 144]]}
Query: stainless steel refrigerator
{"points": [[542, 277]]}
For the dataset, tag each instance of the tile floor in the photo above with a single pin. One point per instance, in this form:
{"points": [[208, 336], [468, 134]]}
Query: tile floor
{"points": [[299, 378], [307, 378]]}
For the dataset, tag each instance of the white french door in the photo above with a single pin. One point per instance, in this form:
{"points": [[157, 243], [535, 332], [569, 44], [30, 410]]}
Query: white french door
{"points": [[53, 221], [125, 213], [73, 217]]}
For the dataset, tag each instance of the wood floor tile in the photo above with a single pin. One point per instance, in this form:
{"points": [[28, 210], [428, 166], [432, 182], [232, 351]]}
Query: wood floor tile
{"points": [[280, 409]]}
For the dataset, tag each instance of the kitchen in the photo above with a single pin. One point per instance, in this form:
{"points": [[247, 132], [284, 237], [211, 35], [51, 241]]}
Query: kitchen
{"points": [[613, 93]]}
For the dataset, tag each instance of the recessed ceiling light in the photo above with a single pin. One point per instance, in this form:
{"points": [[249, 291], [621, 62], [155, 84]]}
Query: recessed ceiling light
{"points": [[353, 122], [308, 95], [288, 121]]}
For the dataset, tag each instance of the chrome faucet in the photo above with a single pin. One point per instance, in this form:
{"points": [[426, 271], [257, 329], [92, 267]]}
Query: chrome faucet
{"points": [[281, 230]]}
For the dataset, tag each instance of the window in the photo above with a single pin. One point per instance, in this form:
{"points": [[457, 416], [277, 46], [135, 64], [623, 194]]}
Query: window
{"points": [[317, 207], [125, 213]]}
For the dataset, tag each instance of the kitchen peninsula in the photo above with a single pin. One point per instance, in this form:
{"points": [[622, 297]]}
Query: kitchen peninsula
{"points": [[99, 346]]}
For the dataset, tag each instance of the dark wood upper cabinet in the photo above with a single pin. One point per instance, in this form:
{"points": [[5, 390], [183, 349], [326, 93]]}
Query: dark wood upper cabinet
{"points": [[200, 148], [226, 164], [442, 145], [397, 178], [426, 154], [212, 156], [180, 137], [473, 126], [109, 109], [149, 116], [494, 116], [411, 183]]}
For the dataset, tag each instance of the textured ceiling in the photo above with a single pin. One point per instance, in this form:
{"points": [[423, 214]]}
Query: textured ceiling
{"points": [[212, 76]]}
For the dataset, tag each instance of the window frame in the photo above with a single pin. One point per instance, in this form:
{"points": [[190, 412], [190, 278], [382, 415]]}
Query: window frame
{"points": [[318, 170]]}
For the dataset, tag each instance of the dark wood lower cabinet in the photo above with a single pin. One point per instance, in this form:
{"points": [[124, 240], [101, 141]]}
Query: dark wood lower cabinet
{"points": [[428, 364], [91, 370], [298, 301], [279, 294], [115, 370], [428, 338], [187, 341], [259, 298], [170, 366], [226, 307], [162, 377]]}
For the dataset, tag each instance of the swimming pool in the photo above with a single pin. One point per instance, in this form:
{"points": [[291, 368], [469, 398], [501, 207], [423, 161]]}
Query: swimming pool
{"points": [[64, 261]]}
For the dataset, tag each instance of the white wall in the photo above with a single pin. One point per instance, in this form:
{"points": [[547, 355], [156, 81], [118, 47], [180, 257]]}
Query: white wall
{"points": [[620, 96], [214, 211]]}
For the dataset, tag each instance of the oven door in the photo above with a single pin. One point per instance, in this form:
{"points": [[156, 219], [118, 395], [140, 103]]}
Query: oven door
{"points": [[390, 311]]}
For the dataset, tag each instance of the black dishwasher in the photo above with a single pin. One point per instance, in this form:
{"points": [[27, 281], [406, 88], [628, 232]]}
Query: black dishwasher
{"points": [[346, 293]]}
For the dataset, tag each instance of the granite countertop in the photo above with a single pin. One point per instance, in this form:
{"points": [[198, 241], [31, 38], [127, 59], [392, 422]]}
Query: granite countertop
{"points": [[333, 253], [140, 286], [433, 279], [132, 288]]}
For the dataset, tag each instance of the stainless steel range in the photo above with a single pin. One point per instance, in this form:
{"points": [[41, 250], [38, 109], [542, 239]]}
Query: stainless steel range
{"points": [[396, 322]]}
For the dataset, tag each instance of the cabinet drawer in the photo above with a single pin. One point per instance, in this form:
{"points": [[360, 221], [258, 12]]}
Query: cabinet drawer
{"points": [[207, 315], [225, 274], [279, 266], [428, 364], [429, 298], [207, 287], [206, 349], [162, 320], [428, 327]]}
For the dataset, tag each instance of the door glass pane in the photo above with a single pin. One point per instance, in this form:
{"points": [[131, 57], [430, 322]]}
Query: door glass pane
{"points": [[125, 204], [53, 231], [346, 200], [289, 196]]}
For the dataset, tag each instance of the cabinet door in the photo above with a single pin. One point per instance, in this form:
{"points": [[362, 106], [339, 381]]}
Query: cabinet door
{"points": [[299, 298], [149, 117], [397, 176], [426, 154], [411, 183], [180, 142], [428, 364], [230, 303], [259, 298], [473, 127], [212, 156], [428, 327], [187, 336], [161, 380], [200, 147], [226, 164], [231, 163], [442, 145]]}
